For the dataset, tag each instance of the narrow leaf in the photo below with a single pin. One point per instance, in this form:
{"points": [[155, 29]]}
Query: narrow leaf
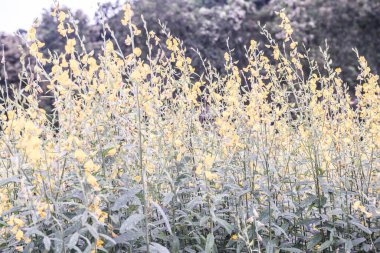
{"points": [[73, 241], [293, 250], [158, 248], [164, 216], [209, 243], [47, 243], [227, 226], [362, 227], [131, 222]]}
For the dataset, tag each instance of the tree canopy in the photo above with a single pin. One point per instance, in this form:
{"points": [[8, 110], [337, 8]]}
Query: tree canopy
{"points": [[211, 26]]}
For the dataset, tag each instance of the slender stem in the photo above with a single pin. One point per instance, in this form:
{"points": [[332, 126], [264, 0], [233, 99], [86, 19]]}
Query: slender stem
{"points": [[140, 148]]}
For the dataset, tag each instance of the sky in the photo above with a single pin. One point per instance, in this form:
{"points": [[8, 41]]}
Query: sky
{"points": [[16, 14]]}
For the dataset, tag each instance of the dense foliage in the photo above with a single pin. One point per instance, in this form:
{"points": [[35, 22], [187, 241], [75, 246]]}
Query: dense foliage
{"points": [[207, 24], [140, 153]]}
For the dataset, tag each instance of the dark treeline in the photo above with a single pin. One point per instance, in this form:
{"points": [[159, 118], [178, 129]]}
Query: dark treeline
{"points": [[208, 24]]}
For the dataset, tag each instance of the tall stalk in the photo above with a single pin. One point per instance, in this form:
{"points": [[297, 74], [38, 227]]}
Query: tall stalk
{"points": [[140, 149]]}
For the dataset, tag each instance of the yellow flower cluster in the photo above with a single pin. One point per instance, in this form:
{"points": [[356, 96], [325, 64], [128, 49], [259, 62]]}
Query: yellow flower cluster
{"points": [[16, 225], [128, 13], [285, 24]]}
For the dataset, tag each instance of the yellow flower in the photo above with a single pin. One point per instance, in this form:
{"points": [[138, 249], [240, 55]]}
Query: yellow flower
{"points": [[140, 72], [338, 70], [285, 24], [226, 57], [61, 29], [99, 243], [111, 152], [91, 166], [179, 157], [34, 155], [102, 88], [69, 48], [69, 29], [128, 41], [19, 235], [33, 49], [172, 44], [40, 44], [15, 221], [41, 212], [136, 31], [211, 176], [31, 34], [61, 16], [75, 67], [137, 179], [368, 215], [356, 205], [18, 222], [177, 143], [276, 53], [92, 181], [253, 44], [234, 237], [137, 51], [198, 170], [80, 155], [150, 167], [11, 221], [128, 13], [209, 161], [109, 47]]}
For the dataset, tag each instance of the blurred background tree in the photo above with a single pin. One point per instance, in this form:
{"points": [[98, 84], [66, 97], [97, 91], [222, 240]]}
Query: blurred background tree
{"points": [[344, 24], [208, 24], [10, 57]]}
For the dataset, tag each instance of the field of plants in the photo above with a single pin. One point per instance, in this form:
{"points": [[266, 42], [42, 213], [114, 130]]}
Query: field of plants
{"points": [[144, 153]]}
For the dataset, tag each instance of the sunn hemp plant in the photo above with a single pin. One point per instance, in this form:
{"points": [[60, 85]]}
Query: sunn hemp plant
{"points": [[142, 154]]}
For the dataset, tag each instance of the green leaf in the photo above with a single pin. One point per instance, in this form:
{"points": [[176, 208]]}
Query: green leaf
{"points": [[158, 248], [175, 245], [164, 216], [92, 231], [358, 241], [131, 222], [105, 151], [210, 243], [348, 246], [111, 240], [9, 180], [47, 243], [270, 247], [73, 240], [125, 198], [294, 250], [314, 241], [362, 227], [325, 245], [128, 237], [227, 226]]}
